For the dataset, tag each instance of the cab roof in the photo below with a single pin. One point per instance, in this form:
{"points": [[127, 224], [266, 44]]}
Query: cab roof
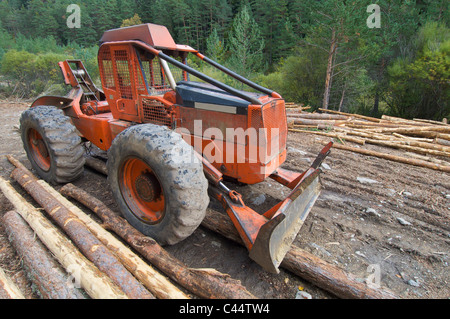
{"points": [[156, 35]]}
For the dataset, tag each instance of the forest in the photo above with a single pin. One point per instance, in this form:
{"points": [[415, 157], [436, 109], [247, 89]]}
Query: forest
{"points": [[369, 57]]}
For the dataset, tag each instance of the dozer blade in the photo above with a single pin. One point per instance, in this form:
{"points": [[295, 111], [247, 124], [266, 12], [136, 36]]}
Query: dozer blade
{"points": [[269, 236], [275, 237]]}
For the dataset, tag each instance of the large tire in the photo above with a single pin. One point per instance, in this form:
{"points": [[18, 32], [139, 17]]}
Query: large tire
{"points": [[157, 182], [52, 144]]}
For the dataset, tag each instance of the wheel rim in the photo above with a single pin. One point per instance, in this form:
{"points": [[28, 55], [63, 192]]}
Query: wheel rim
{"points": [[142, 190], [39, 150]]}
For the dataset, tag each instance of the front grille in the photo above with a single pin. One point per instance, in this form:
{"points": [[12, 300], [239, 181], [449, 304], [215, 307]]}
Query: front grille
{"points": [[155, 112], [272, 117]]}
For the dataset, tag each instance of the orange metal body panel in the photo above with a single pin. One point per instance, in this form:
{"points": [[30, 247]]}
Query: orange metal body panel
{"points": [[128, 101]]}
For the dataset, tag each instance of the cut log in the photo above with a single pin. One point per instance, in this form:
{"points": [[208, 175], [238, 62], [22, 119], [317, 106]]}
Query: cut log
{"points": [[394, 158], [429, 134], [442, 141], [422, 144], [404, 146], [301, 121], [318, 116], [41, 267], [96, 164], [414, 130], [363, 133], [411, 138], [345, 286], [8, 289], [428, 158], [429, 121], [368, 118], [306, 265], [401, 121], [92, 280], [90, 245], [336, 135], [205, 283], [159, 285]]}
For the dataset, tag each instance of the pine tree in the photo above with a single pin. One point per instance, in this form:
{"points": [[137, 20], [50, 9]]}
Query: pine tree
{"points": [[215, 46], [245, 44]]}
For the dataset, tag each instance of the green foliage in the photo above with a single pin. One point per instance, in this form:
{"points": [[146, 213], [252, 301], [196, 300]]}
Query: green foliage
{"points": [[299, 77], [245, 44], [215, 48], [134, 20], [30, 74], [401, 68], [419, 84]]}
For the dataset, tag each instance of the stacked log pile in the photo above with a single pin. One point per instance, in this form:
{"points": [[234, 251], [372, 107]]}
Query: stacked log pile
{"points": [[69, 255], [424, 143]]}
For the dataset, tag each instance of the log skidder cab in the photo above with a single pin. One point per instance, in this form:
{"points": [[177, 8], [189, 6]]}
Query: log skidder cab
{"points": [[173, 134]]}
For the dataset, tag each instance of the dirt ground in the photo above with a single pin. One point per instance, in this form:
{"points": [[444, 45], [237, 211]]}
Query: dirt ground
{"points": [[372, 214]]}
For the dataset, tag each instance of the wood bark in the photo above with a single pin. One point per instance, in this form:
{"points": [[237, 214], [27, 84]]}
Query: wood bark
{"points": [[206, 283], [429, 121], [82, 237], [41, 267], [96, 164], [368, 118], [302, 121], [336, 135], [318, 116], [158, 284], [394, 158], [442, 141], [306, 265], [414, 130], [297, 260], [331, 54], [8, 289], [400, 145], [89, 277]]}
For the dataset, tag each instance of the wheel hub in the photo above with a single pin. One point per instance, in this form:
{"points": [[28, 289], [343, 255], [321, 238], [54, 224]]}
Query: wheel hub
{"points": [[147, 187], [41, 147], [38, 149]]}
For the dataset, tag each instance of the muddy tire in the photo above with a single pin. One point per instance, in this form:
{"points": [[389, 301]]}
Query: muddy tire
{"points": [[52, 144], [157, 182]]}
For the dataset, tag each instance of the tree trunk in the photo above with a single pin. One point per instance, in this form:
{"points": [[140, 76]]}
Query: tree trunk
{"points": [[206, 283], [333, 47], [92, 280], [318, 116], [82, 237], [345, 286], [395, 158], [376, 104], [96, 164], [43, 270], [341, 137], [341, 103], [159, 285], [368, 118]]}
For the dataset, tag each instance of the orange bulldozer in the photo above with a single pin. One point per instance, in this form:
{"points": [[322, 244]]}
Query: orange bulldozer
{"points": [[174, 137]]}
